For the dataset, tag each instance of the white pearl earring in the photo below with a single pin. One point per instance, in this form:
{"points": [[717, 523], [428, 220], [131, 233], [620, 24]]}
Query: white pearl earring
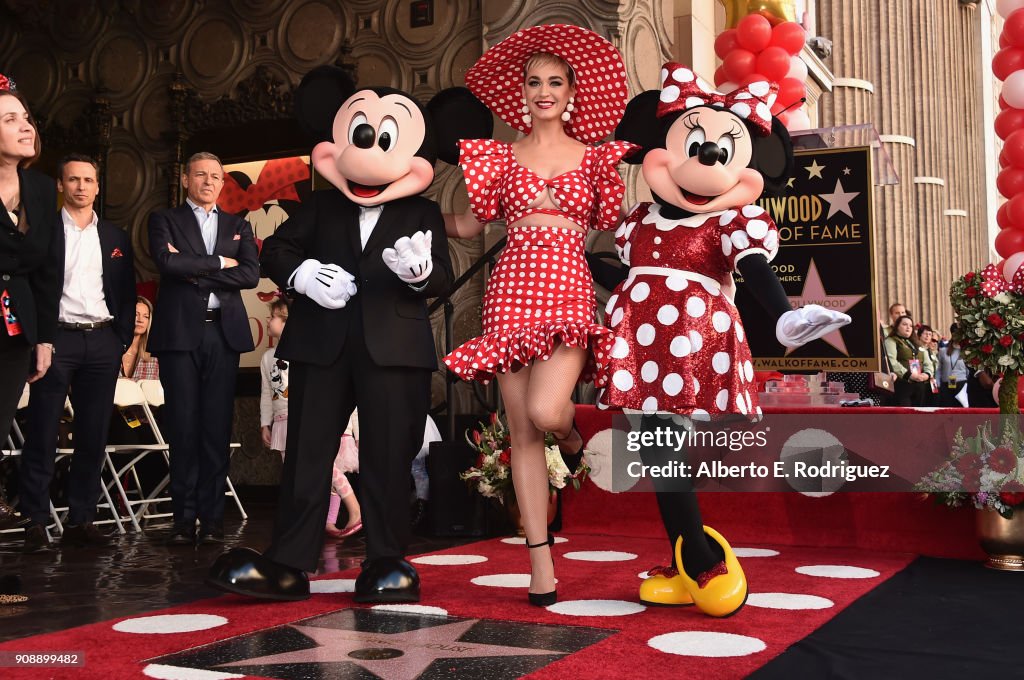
{"points": [[569, 108], [527, 118]]}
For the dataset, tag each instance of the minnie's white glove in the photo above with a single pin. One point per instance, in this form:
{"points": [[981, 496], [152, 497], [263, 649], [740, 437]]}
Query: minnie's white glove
{"points": [[411, 259], [328, 285], [810, 322]]}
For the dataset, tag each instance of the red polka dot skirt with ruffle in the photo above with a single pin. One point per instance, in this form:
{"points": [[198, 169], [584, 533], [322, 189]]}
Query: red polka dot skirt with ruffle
{"points": [[540, 294]]}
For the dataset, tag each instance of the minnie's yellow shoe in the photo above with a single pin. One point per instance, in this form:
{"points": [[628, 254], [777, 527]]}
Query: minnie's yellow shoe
{"points": [[664, 588], [724, 588]]}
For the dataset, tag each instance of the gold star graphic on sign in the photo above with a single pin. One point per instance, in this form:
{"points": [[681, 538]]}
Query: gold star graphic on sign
{"points": [[846, 171], [814, 293], [790, 182], [839, 200], [814, 170]]}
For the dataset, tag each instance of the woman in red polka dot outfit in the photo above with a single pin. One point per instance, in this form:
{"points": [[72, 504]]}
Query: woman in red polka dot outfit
{"points": [[565, 88]]}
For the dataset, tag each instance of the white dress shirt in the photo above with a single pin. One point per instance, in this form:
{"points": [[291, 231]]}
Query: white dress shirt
{"points": [[367, 221], [82, 300], [209, 223]]}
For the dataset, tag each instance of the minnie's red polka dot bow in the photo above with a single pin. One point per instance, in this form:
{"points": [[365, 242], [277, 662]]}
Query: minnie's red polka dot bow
{"points": [[7, 84], [993, 282], [682, 89]]}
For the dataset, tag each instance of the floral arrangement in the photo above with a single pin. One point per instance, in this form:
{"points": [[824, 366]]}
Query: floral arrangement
{"points": [[981, 472], [491, 476], [989, 320]]}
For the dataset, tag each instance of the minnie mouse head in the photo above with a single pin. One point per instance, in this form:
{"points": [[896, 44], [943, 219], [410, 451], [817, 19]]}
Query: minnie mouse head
{"points": [[704, 151], [379, 144]]}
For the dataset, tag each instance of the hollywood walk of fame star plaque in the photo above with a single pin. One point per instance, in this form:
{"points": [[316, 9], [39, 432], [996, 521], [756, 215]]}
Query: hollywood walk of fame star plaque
{"points": [[826, 237], [365, 644]]}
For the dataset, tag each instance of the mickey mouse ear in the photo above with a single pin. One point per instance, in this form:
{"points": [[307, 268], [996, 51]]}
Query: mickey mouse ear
{"points": [[457, 114], [318, 98]]}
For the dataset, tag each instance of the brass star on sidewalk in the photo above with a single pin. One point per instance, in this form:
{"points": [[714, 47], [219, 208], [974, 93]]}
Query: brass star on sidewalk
{"points": [[396, 656], [839, 200], [814, 293], [814, 170]]}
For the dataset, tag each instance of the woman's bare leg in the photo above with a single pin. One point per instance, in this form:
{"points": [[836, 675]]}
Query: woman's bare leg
{"points": [[529, 475]]}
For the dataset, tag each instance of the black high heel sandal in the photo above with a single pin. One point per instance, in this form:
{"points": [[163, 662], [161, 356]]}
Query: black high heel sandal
{"points": [[543, 599], [572, 460]]}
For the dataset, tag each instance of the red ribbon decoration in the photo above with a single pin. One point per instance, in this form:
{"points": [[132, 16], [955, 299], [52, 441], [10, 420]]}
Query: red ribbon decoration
{"points": [[277, 180], [993, 283], [682, 89]]}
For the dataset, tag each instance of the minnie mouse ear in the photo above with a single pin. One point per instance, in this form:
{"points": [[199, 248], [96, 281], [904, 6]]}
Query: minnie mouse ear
{"points": [[318, 98], [640, 125], [773, 158], [457, 114]]}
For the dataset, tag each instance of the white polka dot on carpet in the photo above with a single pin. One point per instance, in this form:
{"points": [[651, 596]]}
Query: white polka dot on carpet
{"points": [[164, 672], [706, 644], [836, 571], [596, 608], [448, 559], [170, 623], [333, 585], [788, 601], [755, 552], [503, 580], [411, 609], [599, 556]]}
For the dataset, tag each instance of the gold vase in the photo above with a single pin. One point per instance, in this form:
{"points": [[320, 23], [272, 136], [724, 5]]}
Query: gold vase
{"points": [[1002, 539], [515, 515]]}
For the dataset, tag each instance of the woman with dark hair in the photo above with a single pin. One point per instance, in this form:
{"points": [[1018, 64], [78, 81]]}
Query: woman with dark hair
{"points": [[911, 367], [951, 372], [29, 281], [137, 363]]}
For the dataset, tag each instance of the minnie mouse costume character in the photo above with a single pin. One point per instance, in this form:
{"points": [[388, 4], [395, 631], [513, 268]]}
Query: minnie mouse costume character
{"points": [[565, 88], [680, 345], [362, 259]]}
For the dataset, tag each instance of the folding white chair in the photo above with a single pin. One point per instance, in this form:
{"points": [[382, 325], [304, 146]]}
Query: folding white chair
{"points": [[129, 393], [154, 392]]}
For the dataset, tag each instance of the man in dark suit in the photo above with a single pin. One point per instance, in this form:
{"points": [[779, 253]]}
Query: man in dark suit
{"points": [[95, 324], [200, 327]]}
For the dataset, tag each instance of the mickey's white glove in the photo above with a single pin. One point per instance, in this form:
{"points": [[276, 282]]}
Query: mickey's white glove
{"points": [[810, 322], [410, 259], [328, 285]]}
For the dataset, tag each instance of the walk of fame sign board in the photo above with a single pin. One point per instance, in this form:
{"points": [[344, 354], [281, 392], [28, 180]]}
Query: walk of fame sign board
{"points": [[367, 644], [825, 257]]}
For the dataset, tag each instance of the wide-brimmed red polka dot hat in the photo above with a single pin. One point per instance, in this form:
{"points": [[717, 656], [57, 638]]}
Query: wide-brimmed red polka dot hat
{"points": [[497, 78]]}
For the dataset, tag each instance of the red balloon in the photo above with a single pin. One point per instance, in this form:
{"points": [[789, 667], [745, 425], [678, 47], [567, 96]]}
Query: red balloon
{"points": [[754, 32], [1013, 147], [790, 90], [1006, 61], [726, 43], [1003, 216], [784, 117], [1010, 182], [1014, 209], [773, 62], [1009, 241], [1009, 121], [790, 36], [1013, 29], [720, 76], [739, 64], [1002, 103], [753, 78], [1004, 40], [1004, 161]]}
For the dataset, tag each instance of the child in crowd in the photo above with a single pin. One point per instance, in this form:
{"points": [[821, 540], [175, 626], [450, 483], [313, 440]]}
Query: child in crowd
{"points": [[274, 426]]}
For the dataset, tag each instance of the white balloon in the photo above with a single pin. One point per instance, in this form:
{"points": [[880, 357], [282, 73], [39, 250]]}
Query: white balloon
{"points": [[1013, 88], [797, 69], [1012, 264], [727, 87], [799, 120], [1008, 7]]}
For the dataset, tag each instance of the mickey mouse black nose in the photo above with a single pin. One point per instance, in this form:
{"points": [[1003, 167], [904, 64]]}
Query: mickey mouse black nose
{"points": [[709, 153], [364, 135]]}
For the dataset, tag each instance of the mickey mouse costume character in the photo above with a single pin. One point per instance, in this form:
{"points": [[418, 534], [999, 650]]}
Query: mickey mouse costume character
{"points": [[680, 345], [362, 259], [565, 88]]}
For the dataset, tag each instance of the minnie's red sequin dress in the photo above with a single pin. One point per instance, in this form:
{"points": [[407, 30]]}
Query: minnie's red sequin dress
{"points": [[541, 290], [680, 344]]}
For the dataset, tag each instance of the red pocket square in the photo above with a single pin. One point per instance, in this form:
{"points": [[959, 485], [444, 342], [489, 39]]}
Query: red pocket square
{"points": [[236, 237], [116, 253]]}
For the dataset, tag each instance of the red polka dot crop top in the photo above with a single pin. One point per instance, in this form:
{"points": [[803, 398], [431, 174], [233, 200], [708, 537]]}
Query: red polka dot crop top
{"points": [[499, 187]]}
